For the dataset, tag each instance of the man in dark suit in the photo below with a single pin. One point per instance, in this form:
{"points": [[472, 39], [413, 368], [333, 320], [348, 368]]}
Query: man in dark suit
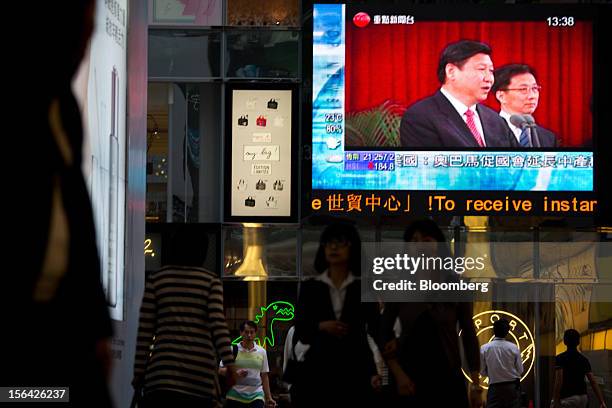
{"points": [[518, 92], [453, 116]]}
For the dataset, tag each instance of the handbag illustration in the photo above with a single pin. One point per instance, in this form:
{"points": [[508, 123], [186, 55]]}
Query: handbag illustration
{"points": [[251, 103], [262, 121], [249, 202], [272, 104], [243, 120], [271, 202], [278, 185], [260, 185]]}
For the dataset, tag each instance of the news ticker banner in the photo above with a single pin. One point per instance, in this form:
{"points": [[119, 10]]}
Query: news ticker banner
{"points": [[409, 203], [451, 170], [487, 271]]}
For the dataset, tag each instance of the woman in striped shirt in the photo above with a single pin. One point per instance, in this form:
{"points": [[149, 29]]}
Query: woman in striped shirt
{"points": [[182, 329]]}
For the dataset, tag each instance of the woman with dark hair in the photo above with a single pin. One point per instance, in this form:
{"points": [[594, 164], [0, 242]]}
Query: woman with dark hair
{"points": [[332, 320], [425, 359], [182, 329]]}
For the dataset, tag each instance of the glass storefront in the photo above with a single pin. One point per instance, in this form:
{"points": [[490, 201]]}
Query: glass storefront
{"points": [[263, 265]]}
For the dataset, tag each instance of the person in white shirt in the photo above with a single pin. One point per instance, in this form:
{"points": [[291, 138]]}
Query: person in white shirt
{"points": [[252, 388], [518, 92], [501, 361]]}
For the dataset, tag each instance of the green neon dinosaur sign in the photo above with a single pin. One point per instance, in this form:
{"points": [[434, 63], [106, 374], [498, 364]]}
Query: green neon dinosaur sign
{"points": [[276, 311]]}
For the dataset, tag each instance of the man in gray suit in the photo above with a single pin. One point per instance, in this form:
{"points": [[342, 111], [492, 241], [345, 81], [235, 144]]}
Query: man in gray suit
{"points": [[518, 92], [454, 116]]}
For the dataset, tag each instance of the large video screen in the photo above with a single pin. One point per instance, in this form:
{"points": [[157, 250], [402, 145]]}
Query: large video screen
{"points": [[482, 101]]}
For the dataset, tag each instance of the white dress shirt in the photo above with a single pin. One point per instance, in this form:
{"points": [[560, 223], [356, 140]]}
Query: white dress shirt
{"points": [[517, 131], [337, 294], [461, 109], [501, 361]]}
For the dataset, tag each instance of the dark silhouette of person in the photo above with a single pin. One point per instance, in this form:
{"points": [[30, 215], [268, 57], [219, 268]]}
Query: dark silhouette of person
{"points": [[330, 317], [425, 359], [58, 320], [571, 367], [182, 328]]}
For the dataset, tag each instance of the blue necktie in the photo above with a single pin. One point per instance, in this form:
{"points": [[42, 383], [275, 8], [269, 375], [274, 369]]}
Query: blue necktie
{"points": [[524, 139]]}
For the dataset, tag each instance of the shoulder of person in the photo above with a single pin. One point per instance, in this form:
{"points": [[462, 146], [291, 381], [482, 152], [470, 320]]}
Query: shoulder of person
{"points": [[582, 357], [424, 104], [260, 349], [546, 132], [484, 110], [485, 346], [560, 358]]}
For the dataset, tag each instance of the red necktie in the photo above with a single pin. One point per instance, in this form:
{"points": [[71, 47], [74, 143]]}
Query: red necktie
{"points": [[469, 114]]}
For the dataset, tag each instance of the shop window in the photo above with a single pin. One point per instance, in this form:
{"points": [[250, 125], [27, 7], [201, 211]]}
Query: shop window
{"points": [[158, 245], [157, 153], [262, 54], [183, 152], [184, 53], [255, 253]]}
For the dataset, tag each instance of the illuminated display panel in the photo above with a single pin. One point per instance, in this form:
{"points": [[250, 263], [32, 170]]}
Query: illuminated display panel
{"points": [[373, 136]]}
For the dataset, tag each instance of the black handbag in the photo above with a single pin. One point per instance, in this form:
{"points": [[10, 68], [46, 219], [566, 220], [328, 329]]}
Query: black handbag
{"points": [[249, 202], [272, 104]]}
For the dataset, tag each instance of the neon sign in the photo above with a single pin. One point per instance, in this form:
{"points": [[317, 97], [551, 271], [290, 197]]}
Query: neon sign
{"points": [[148, 250], [280, 311], [519, 334]]}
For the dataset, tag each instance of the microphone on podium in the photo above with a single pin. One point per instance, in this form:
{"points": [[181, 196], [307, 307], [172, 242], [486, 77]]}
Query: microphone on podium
{"points": [[520, 121], [527, 122], [535, 140]]}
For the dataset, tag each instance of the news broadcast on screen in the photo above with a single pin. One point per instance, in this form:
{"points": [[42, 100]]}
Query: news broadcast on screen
{"points": [[495, 108]]}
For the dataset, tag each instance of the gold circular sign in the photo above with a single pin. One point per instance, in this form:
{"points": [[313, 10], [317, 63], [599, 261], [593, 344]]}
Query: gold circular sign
{"points": [[519, 334]]}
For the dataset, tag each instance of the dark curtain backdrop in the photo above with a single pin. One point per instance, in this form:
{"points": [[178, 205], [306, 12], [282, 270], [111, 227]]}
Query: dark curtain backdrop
{"points": [[400, 62]]}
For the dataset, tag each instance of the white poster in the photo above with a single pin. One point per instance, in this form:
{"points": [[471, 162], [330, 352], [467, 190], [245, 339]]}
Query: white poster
{"points": [[100, 88], [261, 153]]}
